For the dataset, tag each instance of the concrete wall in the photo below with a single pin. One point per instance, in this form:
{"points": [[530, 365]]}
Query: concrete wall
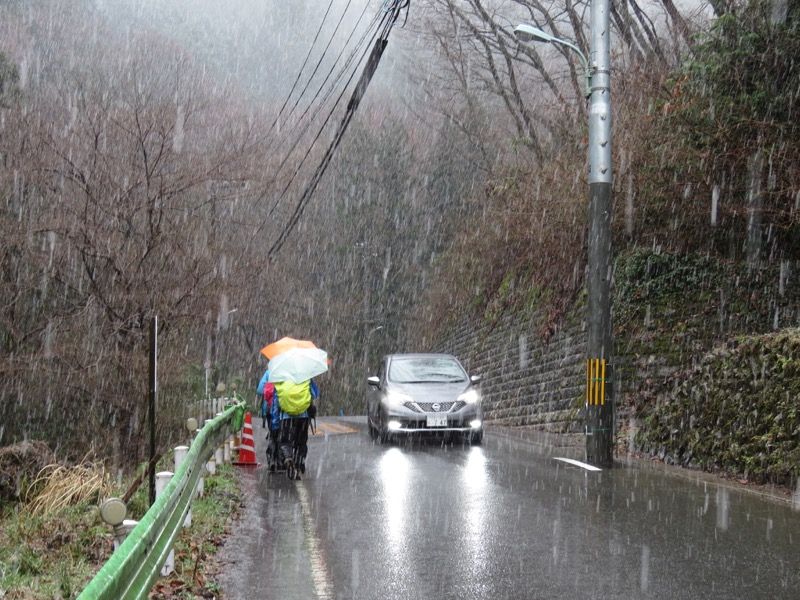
{"points": [[526, 381]]}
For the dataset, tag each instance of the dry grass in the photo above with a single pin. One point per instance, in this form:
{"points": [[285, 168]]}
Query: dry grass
{"points": [[19, 465], [62, 486]]}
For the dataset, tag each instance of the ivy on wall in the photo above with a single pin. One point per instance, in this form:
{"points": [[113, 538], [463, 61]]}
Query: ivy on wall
{"points": [[737, 411]]}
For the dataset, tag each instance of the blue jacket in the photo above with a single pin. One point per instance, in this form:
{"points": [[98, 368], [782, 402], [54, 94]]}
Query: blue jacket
{"points": [[260, 388]]}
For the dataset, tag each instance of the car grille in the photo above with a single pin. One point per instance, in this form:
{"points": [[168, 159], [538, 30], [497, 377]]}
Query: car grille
{"points": [[443, 406], [420, 407]]}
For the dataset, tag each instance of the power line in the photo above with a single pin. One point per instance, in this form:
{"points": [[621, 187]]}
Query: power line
{"points": [[319, 62], [310, 121], [311, 78], [303, 66], [392, 10]]}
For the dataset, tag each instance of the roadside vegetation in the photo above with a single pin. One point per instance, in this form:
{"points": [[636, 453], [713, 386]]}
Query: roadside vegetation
{"points": [[53, 541], [734, 412]]}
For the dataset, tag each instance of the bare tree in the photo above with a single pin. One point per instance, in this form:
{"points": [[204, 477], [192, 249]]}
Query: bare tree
{"points": [[130, 172]]}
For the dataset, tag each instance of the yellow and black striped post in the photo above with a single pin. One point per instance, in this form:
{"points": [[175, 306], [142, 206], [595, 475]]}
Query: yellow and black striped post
{"points": [[596, 381], [599, 412]]}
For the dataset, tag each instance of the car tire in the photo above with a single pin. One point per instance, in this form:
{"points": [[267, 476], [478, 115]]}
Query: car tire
{"points": [[476, 439], [373, 433]]}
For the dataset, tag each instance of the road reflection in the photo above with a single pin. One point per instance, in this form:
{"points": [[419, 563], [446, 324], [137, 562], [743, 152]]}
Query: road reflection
{"points": [[422, 494], [394, 471], [475, 499]]}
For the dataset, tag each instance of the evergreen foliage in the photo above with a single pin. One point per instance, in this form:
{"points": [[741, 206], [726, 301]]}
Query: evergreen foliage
{"points": [[736, 412], [730, 125]]}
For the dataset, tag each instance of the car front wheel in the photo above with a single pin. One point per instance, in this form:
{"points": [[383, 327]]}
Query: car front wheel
{"points": [[476, 437], [373, 432]]}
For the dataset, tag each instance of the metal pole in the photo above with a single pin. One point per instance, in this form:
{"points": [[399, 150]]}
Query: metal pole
{"points": [[366, 346], [152, 402], [599, 365]]}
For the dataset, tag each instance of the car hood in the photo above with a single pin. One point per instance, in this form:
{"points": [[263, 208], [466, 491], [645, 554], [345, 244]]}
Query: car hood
{"points": [[431, 392]]}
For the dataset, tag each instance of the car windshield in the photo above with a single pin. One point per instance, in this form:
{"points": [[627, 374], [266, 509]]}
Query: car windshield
{"points": [[428, 369]]}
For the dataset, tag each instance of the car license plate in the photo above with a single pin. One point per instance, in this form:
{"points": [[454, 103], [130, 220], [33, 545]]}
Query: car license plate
{"points": [[437, 421]]}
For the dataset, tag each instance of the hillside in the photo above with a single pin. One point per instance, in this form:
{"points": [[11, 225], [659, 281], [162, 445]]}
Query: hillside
{"points": [[707, 245]]}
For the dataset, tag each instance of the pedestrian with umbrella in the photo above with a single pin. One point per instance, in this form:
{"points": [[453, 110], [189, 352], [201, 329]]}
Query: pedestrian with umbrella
{"points": [[266, 389], [292, 367], [293, 437], [264, 392]]}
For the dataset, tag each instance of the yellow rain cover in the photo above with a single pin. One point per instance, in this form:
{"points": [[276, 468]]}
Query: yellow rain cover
{"points": [[293, 398]]}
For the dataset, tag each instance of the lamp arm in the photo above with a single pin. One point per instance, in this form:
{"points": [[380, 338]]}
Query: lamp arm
{"points": [[586, 68]]}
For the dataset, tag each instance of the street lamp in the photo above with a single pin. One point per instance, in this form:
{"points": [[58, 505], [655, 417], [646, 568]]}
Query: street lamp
{"points": [[599, 390], [528, 33], [366, 345]]}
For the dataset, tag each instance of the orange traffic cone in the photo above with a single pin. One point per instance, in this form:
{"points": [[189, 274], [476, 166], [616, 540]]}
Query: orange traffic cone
{"points": [[247, 452]]}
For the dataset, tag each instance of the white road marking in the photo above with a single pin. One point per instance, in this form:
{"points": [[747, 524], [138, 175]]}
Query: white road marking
{"points": [[320, 573], [578, 463]]}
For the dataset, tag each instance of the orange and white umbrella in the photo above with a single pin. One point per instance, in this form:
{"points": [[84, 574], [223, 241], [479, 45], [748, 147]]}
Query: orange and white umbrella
{"points": [[282, 345]]}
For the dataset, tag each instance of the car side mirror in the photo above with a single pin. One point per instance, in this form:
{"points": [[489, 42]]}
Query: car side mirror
{"points": [[475, 379], [374, 381]]}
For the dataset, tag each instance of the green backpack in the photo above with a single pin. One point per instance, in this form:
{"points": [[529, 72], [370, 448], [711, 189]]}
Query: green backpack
{"points": [[293, 398]]}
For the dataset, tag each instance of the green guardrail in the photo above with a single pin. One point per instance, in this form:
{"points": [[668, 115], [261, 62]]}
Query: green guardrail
{"points": [[134, 568]]}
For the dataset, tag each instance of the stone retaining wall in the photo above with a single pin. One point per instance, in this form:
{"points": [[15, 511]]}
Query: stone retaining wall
{"points": [[526, 381]]}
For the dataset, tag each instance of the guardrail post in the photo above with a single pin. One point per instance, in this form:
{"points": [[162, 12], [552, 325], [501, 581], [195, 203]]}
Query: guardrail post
{"points": [[162, 479], [201, 480], [226, 450], [180, 455], [201, 483], [121, 532]]}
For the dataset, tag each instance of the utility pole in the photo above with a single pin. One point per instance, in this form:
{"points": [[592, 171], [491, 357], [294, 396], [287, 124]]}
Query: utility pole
{"points": [[600, 407], [153, 403]]}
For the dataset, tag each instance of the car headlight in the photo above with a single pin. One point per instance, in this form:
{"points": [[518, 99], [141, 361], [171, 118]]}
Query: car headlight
{"points": [[398, 398], [470, 397]]}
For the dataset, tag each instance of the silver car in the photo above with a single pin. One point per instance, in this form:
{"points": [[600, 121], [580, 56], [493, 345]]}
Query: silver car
{"points": [[423, 393]]}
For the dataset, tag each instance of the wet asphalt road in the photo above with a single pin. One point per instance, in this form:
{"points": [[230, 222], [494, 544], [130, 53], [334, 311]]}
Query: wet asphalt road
{"points": [[505, 520]]}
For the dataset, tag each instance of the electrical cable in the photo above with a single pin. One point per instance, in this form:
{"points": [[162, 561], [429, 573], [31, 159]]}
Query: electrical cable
{"points": [[309, 122], [303, 66], [316, 68], [392, 9], [311, 187], [324, 52], [316, 138]]}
